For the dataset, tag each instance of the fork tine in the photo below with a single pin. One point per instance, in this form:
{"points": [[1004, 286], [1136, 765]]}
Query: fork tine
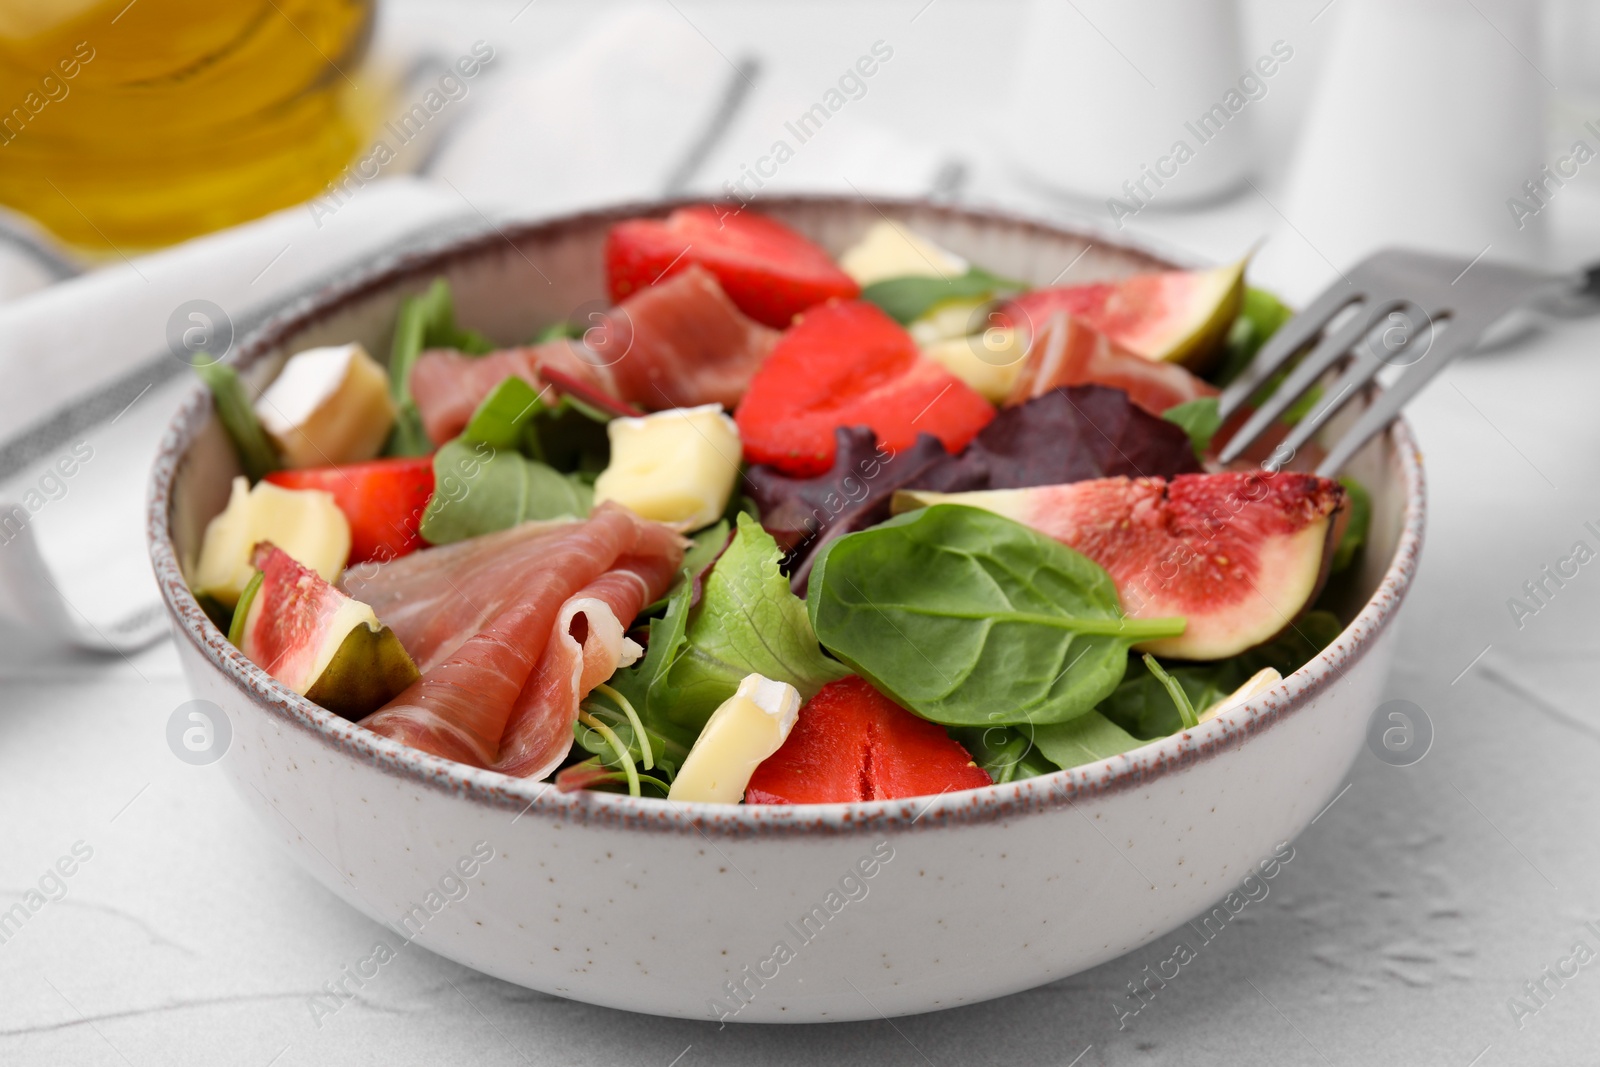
{"points": [[1289, 339], [1461, 336], [1328, 351], [1362, 370]]}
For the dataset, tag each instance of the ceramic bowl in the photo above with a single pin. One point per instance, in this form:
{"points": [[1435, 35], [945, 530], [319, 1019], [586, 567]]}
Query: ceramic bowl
{"points": [[768, 914]]}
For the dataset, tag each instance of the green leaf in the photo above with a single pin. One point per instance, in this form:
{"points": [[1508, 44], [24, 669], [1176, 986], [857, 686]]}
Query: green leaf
{"points": [[479, 489], [748, 621], [1089, 738], [1355, 530], [1006, 752], [425, 321], [1259, 318], [1143, 705], [645, 685], [908, 298], [238, 418], [702, 552], [1180, 699], [971, 619], [1199, 419], [242, 609], [557, 331], [568, 435]]}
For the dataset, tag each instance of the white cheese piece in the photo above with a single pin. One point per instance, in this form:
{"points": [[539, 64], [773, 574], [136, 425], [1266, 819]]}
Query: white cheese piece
{"points": [[676, 466], [989, 361], [1258, 683], [749, 727], [305, 523], [329, 405], [890, 250]]}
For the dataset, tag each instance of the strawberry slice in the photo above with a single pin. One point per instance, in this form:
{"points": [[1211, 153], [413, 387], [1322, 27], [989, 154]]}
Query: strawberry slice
{"points": [[846, 363], [853, 743], [770, 272], [383, 499]]}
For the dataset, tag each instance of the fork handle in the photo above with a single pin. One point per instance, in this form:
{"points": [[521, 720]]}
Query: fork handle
{"points": [[1591, 282]]}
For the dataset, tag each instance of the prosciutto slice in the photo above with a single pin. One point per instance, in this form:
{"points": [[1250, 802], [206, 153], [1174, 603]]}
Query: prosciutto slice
{"points": [[556, 600], [448, 386], [1067, 351], [677, 344]]}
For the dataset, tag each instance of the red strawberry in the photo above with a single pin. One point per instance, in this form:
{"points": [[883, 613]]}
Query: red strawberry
{"points": [[849, 364], [853, 743], [383, 499], [768, 270]]}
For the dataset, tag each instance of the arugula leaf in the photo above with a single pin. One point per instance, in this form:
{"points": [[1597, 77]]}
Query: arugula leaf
{"points": [[1260, 316], [971, 619], [425, 321], [1007, 753], [479, 489], [1200, 420], [568, 435], [1089, 738], [910, 297], [1144, 706], [645, 686], [747, 621], [238, 418], [1180, 699], [1355, 530]]}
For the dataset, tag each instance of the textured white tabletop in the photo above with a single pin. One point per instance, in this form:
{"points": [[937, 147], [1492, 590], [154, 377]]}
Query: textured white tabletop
{"points": [[1416, 907]]}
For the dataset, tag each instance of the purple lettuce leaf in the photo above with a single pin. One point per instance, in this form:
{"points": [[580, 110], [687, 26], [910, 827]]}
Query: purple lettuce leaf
{"points": [[1069, 434]]}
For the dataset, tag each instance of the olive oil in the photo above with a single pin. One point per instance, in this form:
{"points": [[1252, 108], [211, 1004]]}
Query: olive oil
{"points": [[133, 125]]}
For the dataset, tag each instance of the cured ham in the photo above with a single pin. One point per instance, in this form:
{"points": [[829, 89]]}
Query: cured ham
{"points": [[555, 602], [1069, 352], [448, 385], [681, 343]]}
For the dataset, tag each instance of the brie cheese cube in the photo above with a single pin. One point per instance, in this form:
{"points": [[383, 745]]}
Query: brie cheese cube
{"points": [[676, 466], [749, 727], [1254, 686], [989, 361], [305, 523], [328, 406], [890, 250]]}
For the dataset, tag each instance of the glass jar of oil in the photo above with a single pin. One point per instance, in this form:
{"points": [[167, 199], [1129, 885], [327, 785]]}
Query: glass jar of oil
{"points": [[128, 125]]}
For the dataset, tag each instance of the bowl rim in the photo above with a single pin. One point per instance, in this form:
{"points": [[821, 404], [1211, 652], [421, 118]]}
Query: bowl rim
{"points": [[1154, 760]]}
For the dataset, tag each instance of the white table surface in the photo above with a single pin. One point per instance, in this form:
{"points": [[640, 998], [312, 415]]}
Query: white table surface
{"points": [[1420, 902]]}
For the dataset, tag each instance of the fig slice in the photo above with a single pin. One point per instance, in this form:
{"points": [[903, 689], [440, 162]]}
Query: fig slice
{"points": [[1169, 316], [319, 642], [1239, 555]]}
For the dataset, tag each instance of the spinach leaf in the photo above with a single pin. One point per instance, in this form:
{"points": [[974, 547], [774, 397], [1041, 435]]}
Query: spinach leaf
{"points": [[1008, 753], [1260, 316], [1143, 705], [425, 321], [478, 489], [1199, 419], [908, 298], [1355, 530], [238, 418], [1089, 738], [971, 619], [747, 621]]}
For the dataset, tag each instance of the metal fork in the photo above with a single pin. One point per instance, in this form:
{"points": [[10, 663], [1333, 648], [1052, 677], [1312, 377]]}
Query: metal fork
{"points": [[1414, 310]]}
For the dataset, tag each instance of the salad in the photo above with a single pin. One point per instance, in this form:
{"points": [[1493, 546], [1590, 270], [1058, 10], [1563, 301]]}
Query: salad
{"points": [[779, 528]]}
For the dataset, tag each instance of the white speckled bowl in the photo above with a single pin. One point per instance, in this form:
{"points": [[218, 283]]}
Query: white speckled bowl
{"points": [[696, 910]]}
